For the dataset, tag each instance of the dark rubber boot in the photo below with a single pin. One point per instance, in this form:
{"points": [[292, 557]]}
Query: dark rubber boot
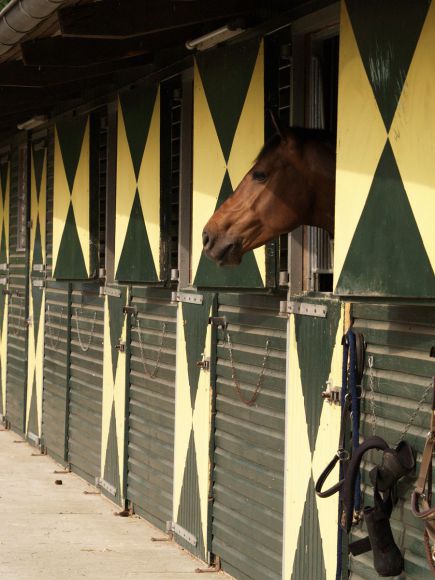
{"points": [[387, 558]]}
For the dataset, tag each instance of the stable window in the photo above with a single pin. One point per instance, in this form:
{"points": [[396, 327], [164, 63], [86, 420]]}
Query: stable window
{"points": [[22, 210]]}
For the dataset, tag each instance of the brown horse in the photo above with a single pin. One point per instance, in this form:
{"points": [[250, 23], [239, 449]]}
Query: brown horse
{"points": [[291, 183]]}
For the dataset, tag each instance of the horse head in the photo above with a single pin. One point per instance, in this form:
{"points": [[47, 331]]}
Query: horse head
{"points": [[291, 183]]}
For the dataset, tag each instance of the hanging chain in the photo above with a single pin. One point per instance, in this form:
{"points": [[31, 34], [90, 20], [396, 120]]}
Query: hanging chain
{"points": [[54, 343], [85, 348], [372, 402], [236, 382], [15, 331], [415, 413], [152, 374]]}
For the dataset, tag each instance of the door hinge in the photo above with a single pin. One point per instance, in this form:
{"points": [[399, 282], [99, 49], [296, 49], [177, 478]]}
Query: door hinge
{"points": [[204, 363], [303, 309], [177, 529], [186, 297]]}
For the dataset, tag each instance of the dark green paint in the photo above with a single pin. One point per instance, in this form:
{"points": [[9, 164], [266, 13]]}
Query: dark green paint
{"points": [[226, 74], [315, 340], [4, 168], [246, 275], [71, 133], [136, 263], [195, 318], [3, 258], [387, 255], [116, 322], [70, 263], [111, 467], [37, 248], [37, 294], [38, 165], [33, 413], [189, 512], [137, 109], [387, 33], [309, 541]]}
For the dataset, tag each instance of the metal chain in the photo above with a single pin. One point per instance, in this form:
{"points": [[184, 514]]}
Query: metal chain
{"points": [[54, 343], [236, 382], [85, 348], [17, 327], [152, 374], [370, 361], [415, 413]]}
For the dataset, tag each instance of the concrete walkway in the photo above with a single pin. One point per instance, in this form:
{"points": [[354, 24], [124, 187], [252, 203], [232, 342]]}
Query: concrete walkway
{"points": [[56, 532]]}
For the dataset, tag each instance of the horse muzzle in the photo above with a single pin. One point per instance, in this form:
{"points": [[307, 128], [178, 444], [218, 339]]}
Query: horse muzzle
{"points": [[223, 249]]}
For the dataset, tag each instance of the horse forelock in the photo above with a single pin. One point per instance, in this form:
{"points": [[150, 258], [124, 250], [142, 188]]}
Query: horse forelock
{"points": [[301, 136]]}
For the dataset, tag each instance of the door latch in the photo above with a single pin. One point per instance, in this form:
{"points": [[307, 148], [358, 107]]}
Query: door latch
{"points": [[120, 346], [204, 363]]}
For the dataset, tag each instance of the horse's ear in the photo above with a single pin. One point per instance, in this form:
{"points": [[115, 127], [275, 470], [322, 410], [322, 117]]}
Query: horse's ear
{"points": [[280, 128]]}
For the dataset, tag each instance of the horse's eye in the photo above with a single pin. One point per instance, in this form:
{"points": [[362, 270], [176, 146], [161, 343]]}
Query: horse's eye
{"points": [[259, 176]]}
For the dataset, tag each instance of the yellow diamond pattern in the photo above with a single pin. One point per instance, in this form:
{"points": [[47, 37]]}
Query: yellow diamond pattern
{"points": [[38, 208], [4, 212]]}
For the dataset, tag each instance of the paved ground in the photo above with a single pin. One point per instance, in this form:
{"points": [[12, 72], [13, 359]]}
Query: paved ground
{"points": [[56, 532]]}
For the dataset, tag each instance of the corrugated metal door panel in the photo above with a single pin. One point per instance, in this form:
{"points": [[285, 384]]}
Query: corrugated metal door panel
{"points": [[86, 380], [56, 369], [398, 337], [249, 440], [17, 329], [151, 405]]}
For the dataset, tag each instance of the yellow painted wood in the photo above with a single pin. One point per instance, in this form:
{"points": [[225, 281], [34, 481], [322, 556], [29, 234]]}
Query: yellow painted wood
{"points": [[412, 134], [125, 187], [361, 137], [3, 350], [113, 392], [301, 465], [149, 183], [80, 197], [249, 139], [4, 211], [35, 361], [208, 168], [186, 418]]}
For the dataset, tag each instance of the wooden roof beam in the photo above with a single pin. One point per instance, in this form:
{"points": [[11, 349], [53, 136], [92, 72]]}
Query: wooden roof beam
{"points": [[115, 19]]}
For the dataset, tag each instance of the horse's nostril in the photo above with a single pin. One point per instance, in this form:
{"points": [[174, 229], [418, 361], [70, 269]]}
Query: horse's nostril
{"points": [[205, 238]]}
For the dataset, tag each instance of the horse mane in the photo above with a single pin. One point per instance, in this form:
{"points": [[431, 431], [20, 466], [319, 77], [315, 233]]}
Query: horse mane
{"points": [[302, 135]]}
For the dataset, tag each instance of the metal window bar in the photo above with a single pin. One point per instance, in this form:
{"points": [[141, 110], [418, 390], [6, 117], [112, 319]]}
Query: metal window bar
{"points": [[22, 210], [176, 104], [102, 188]]}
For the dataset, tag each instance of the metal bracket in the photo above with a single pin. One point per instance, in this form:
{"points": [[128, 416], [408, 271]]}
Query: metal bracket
{"points": [[38, 283], [34, 438], [307, 309], [189, 298], [130, 310], [177, 529], [218, 321], [120, 346], [115, 292], [39, 267], [204, 363], [103, 484], [332, 394]]}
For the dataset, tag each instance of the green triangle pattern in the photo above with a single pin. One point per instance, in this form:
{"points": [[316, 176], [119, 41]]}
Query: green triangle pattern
{"points": [[387, 255], [137, 110], [71, 133], [33, 414], [111, 466], [195, 332], [4, 168], [379, 26], [38, 165], [37, 304], [226, 74], [246, 275], [136, 263], [309, 542], [70, 263], [189, 512], [37, 247], [116, 321], [315, 335]]}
